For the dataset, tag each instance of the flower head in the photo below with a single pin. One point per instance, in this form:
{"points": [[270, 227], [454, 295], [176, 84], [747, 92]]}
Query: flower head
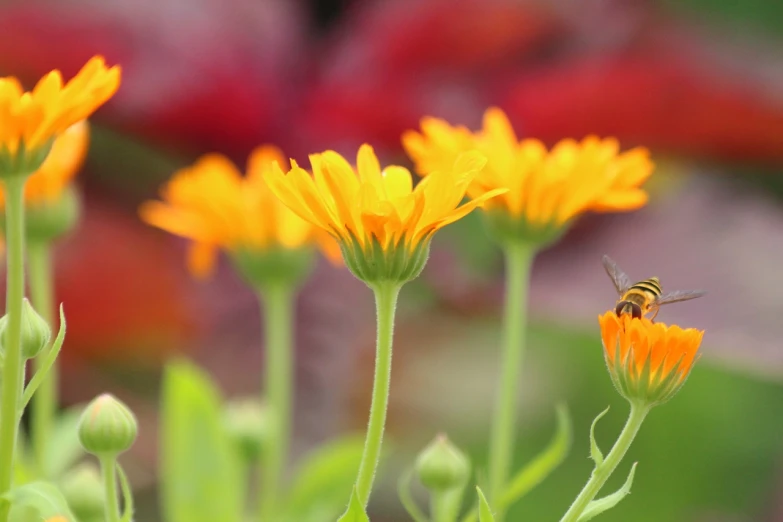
{"points": [[647, 361], [382, 223], [546, 189], [29, 121], [213, 205], [52, 204]]}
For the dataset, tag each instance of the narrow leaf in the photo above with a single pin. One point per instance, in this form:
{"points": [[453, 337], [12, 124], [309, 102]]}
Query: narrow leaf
{"points": [[201, 479], [404, 492], [541, 465], [355, 512], [485, 513], [127, 496], [323, 481], [595, 451], [46, 366], [42, 498], [596, 507]]}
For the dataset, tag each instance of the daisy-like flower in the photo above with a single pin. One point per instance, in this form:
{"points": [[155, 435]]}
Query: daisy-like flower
{"points": [[383, 224], [217, 208], [546, 189], [30, 121], [51, 203], [648, 362]]}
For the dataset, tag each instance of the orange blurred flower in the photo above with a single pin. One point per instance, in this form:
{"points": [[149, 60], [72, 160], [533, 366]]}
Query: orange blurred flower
{"points": [[213, 205], [383, 224], [647, 361], [545, 188], [29, 121]]}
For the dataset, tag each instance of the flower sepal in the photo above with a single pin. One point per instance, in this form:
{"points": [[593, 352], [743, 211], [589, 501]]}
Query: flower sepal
{"points": [[22, 162], [273, 266], [506, 228], [396, 263]]}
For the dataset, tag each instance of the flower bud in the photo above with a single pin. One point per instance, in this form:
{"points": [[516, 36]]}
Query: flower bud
{"points": [[441, 466], [35, 331], [248, 424], [83, 489], [107, 426], [47, 220]]}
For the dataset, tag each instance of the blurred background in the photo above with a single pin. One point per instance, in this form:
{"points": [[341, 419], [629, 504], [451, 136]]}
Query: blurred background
{"points": [[699, 82]]}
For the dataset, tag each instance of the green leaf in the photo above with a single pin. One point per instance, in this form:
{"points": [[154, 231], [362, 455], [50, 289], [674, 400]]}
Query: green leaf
{"points": [[127, 496], [596, 507], [201, 478], [543, 464], [355, 512], [63, 448], [46, 365], [485, 513], [404, 492], [595, 451], [37, 501], [324, 480]]}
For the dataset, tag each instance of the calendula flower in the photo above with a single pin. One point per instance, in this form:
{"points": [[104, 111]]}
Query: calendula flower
{"points": [[51, 203], [648, 362], [546, 189], [383, 224], [216, 207], [30, 121]]}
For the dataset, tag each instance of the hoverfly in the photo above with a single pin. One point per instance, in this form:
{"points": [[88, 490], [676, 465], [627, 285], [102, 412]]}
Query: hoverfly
{"points": [[639, 299]]}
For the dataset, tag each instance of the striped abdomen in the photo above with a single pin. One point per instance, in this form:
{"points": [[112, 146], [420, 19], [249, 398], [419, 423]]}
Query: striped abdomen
{"points": [[637, 299]]}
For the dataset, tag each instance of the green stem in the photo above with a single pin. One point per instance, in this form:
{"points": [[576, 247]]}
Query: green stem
{"points": [[519, 260], [109, 472], [602, 472], [444, 505], [278, 306], [13, 368], [385, 306], [41, 277]]}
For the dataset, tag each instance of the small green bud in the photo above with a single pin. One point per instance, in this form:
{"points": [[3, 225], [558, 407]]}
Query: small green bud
{"points": [[35, 331], [248, 423], [83, 489], [107, 426], [441, 466], [49, 220]]}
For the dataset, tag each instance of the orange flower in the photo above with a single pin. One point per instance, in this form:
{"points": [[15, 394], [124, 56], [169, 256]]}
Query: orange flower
{"points": [[546, 189], [383, 224], [29, 121], [65, 159], [647, 361], [213, 205]]}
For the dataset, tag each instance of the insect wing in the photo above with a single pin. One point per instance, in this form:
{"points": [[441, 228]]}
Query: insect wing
{"points": [[620, 279], [677, 296]]}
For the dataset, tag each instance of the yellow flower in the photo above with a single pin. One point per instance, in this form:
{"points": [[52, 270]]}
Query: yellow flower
{"points": [[546, 189], [29, 121], [383, 224], [647, 361], [213, 205]]}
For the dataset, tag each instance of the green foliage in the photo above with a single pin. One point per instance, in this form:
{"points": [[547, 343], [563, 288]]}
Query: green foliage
{"points": [[63, 448], [485, 513], [355, 512], [201, 479], [406, 499], [596, 507], [324, 480], [36, 501], [543, 464], [595, 451]]}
